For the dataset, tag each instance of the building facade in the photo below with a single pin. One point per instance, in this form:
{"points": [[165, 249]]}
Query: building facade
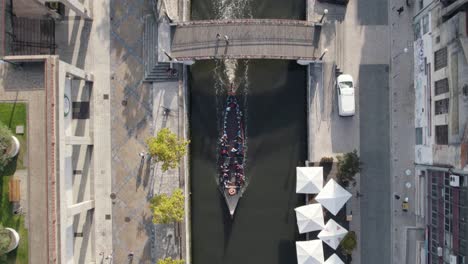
{"points": [[441, 127]]}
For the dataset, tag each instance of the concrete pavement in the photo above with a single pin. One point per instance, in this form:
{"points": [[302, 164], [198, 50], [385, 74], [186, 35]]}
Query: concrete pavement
{"points": [[138, 113], [402, 135]]}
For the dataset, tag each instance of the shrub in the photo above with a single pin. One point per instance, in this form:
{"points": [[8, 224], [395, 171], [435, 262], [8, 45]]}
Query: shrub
{"points": [[167, 148], [168, 208], [5, 144], [348, 165], [326, 160], [349, 242], [5, 240]]}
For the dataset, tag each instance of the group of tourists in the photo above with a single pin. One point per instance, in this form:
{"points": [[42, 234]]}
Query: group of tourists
{"points": [[232, 169]]}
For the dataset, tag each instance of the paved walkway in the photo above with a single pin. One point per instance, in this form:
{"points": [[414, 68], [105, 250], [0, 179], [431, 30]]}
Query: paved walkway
{"points": [[137, 113], [402, 132], [131, 122]]}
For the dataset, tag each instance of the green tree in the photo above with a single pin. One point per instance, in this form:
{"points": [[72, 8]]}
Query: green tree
{"points": [[168, 208], [167, 148], [349, 242], [5, 239], [348, 165], [171, 261], [5, 144]]}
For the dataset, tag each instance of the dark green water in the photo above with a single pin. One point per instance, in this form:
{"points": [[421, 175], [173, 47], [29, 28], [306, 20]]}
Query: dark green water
{"points": [[264, 228]]}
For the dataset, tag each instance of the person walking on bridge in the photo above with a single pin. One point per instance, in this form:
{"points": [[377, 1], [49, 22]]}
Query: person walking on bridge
{"points": [[227, 39]]}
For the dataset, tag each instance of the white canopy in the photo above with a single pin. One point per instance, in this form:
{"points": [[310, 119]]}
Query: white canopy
{"points": [[332, 234], [333, 196], [309, 179], [334, 259], [309, 218], [309, 252]]}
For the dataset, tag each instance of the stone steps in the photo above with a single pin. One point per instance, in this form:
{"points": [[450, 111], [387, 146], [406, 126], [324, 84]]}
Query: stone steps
{"points": [[159, 74]]}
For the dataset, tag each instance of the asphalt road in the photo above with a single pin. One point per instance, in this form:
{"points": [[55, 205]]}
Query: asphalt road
{"points": [[375, 155]]}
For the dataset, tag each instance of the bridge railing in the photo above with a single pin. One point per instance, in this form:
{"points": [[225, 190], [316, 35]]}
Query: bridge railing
{"points": [[245, 22]]}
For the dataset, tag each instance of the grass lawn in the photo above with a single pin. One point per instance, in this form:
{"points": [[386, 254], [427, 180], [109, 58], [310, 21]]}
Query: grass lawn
{"points": [[20, 254], [13, 114]]}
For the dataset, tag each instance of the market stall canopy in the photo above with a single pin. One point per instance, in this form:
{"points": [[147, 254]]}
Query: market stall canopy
{"points": [[309, 218], [309, 179], [333, 196], [309, 252], [334, 259], [332, 234]]}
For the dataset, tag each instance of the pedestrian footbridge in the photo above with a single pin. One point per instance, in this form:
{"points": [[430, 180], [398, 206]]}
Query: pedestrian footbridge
{"points": [[247, 39]]}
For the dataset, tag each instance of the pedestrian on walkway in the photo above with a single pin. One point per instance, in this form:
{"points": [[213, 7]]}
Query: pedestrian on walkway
{"points": [[130, 255], [142, 154], [400, 10], [397, 196], [226, 38], [218, 37]]}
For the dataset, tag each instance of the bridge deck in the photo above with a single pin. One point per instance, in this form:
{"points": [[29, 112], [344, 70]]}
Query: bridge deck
{"points": [[252, 38]]}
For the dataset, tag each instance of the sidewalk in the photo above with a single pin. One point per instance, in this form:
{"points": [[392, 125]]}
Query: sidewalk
{"points": [[137, 113], [401, 129]]}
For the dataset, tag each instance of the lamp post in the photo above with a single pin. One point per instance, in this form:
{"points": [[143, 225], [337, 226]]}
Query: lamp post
{"points": [[325, 12], [323, 54], [405, 50]]}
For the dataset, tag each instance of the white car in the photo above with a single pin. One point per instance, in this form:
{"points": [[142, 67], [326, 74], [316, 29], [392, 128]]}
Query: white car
{"points": [[345, 87]]}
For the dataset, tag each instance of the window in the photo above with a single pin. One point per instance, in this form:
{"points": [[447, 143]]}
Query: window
{"points": [[441, 133], [419, 136], [440, 59], [441, 86], [442, 106], [417, 30], [80, 110], [425, 24]]}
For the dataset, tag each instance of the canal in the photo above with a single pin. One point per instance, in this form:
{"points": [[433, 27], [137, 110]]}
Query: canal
{"points": [[264, 228]]}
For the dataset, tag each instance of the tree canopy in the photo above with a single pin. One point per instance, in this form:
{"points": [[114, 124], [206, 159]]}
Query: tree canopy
{"points": [[349, 242], [168, 208], [167, 148], [348, 165], [171, 261]]}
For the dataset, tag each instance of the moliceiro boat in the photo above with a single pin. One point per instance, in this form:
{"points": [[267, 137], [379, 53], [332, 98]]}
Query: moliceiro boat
{"points": [[232, 152]]}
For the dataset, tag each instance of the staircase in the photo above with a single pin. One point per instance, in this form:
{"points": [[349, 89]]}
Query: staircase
{"points": [[154, 71], [159, 73]]}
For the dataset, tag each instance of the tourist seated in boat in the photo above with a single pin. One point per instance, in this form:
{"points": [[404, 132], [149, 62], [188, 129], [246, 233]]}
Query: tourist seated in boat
{"points": [[224, 153], [234, 150]]}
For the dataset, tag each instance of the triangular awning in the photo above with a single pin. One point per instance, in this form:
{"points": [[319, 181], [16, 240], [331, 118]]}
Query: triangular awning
{"points": [[332, 234], [333, 196], [309, 252], [309, 179], [334, 259], [309, 218]]}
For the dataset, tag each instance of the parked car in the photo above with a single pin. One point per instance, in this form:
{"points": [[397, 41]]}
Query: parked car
{"points": [[345, 87]]}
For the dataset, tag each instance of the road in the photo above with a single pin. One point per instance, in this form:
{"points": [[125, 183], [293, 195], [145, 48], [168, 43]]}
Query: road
{"points": [[375, 157], [365, 25]]}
